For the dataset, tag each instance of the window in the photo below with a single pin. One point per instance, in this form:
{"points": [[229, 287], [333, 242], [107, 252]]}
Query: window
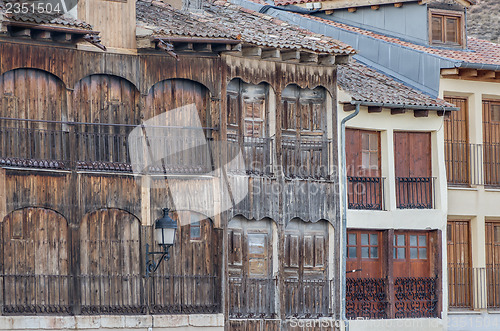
{"points": [[195, 233], [369, 151], [495, 112], [413, 246], [446, 28], [364, 244]]}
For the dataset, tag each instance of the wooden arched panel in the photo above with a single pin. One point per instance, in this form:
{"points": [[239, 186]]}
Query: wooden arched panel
{"points": [[189, 281], [171, 94], [35, 95], [110, 263], [35, 262], [104, 99]]}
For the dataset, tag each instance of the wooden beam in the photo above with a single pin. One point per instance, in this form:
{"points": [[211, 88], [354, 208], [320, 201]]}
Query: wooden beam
{"points": [[252, 51], [221, 48], [421, 113], [23, 33], [342, 59], [61, 36], [349, 107], [468, 72], [183, 47], [272, 53], [374, 109], [307, 57], [396, 111], [40, 34], [352, 9], [329, 12], [398, 4], [375, 7], [202, 47], [450, 72], [486, 74], [290, 55], [326, 59]]}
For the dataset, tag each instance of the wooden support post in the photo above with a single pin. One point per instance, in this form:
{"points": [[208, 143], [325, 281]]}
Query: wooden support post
{"points": [[349, 107], [421, 113], [396, 111], [374, 109], [290, 55]]}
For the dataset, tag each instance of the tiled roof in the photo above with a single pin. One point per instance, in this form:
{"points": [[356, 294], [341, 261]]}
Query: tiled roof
{"points": [[358, 4], [221, 19], [65, 20], [368, 85], [479, 51]]}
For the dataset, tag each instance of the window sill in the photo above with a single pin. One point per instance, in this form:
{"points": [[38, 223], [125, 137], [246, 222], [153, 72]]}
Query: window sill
{"points": [[462, 188], [463, 311]]}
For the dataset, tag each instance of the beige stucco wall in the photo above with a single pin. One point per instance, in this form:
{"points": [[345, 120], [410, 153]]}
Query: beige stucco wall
{"points": [[393, 218], [476, 203]]}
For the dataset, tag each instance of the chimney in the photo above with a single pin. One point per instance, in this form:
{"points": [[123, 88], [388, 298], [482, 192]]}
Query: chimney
{"points": [[114, 19]]}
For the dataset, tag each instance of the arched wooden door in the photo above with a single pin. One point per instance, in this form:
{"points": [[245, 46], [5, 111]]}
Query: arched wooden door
{"points": [[35, 263], [189, 281], [110, 263]]}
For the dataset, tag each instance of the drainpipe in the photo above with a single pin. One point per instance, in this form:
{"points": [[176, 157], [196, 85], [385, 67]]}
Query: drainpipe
{"points": [[344, 212]]}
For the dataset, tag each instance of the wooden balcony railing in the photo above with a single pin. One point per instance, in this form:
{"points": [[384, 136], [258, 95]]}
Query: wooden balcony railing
{"points": [[257, 155], [252, 297], [415, 192], [365, 193], [306, 158], [307, 298]]}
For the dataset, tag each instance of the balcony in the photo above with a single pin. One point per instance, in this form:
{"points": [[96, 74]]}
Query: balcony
{"points": [[365, 193], [307, 158], [370, 298], [415, 192], [257, 155], [474, 288], [472, 164]]}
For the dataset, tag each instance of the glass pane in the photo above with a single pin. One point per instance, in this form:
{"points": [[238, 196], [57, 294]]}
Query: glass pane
{"points": [[365, 160], [364, 252], [437, 28], [374, 252], [374, 142], [365, 138], [413, 253], [352, 239], [364, 239], [452, 30], [422, 241], [413, 240], [401, 253], [497, 234], [401, 239], [374, 239], [351, 252], [195, 231], [422, 253], [373, 161]]}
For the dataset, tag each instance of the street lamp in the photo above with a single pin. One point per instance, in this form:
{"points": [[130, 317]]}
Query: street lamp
{"points": [[164, 234]]}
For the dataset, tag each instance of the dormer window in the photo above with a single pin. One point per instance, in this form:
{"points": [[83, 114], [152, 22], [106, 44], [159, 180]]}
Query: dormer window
{"points": [[446, 28]]}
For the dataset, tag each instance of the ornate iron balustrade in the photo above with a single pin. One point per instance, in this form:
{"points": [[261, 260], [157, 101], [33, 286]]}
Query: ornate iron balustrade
{"points": [[105, 147], [252, 297], [307, 298], [306, 158], [365, 193], [415, 192], [367, 298], [28, 294], [415, 297], [257, 155]]}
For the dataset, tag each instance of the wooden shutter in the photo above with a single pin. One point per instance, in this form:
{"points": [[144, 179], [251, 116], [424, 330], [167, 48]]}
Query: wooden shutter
{"points": [[493, 263], [412, 154], [459, 264]]}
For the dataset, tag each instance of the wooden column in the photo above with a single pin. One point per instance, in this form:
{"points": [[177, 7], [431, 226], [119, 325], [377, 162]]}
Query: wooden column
{"points": [[390, 272]]}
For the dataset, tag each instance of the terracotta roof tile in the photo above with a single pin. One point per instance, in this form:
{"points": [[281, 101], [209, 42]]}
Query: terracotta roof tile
{"points": [[479, 51], [221, 19], [366, 84]]}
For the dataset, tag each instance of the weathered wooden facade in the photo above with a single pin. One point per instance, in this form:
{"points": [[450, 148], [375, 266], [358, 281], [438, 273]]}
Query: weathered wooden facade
{"points": [[76, 215]]}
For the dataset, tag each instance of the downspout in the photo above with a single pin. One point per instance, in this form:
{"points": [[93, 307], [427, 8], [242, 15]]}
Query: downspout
{"points": [[344, 212]]}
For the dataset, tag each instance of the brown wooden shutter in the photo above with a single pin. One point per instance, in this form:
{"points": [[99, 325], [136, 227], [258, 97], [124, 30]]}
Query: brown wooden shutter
{"points": [[412, 154]]}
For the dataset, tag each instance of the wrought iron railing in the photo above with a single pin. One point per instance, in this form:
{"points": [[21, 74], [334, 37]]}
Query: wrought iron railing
{"points": [[415, 297], [250, 155], [29, 294], [366, 298], [252, 297], [472, 164], [460, 287], [307, 298], [415, 192], [306, 157], [365, 193], [101, 147]]}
